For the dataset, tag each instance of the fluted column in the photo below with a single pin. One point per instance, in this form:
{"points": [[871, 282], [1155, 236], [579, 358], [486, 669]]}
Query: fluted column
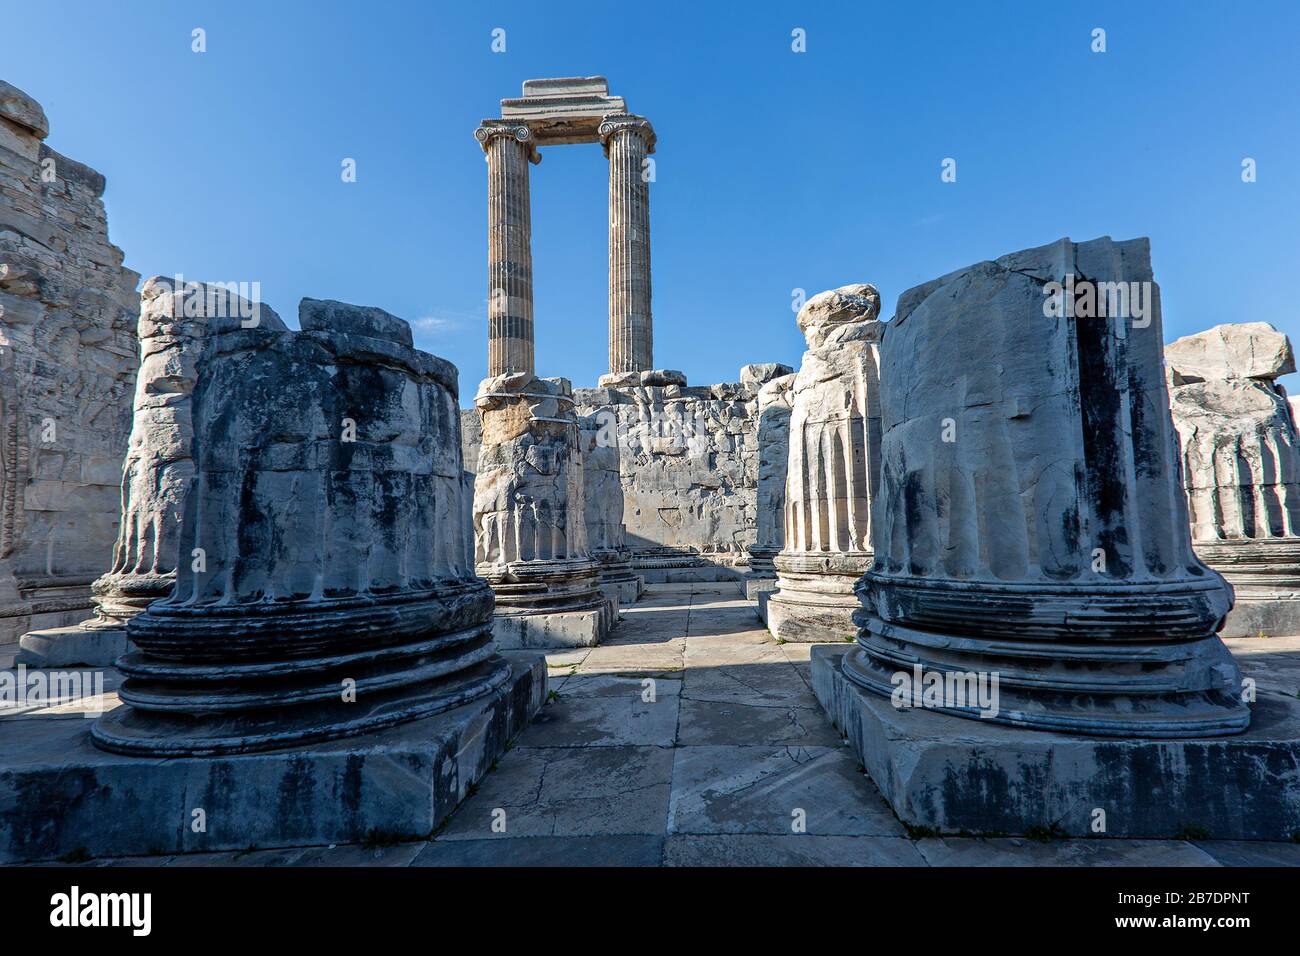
{"points": [[833, 467], [509, 148], [627, 141]]}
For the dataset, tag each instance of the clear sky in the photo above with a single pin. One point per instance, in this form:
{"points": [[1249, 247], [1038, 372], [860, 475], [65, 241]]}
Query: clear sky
{"points": [[775, 170]]}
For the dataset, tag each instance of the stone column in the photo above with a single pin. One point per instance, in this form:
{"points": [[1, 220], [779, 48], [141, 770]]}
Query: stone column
{"points": [[530, 533], [627, 141], [1032, 527], [509, 148], [775, 399], [1241, 469], [833, 468], [173, 328], [322, 587], [606, 534], [773, 433]]}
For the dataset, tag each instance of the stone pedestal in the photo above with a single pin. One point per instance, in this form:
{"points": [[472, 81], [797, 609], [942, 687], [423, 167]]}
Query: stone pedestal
{"points": [[324, 586], [530, 536], [774, 406], [833, 470], [1241, 469], [958, 776], [394, 783], [173, 328], [1033, 548], [627, 141], [1265, 578]]}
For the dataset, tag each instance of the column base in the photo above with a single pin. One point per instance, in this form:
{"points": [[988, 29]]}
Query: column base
{"points": [[1265, 574], [953, 775], [618, 581], [549, 604], [814, 601], [397, 783], [758, 590]]}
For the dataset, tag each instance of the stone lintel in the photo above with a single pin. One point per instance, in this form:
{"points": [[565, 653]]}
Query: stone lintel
{"points": [[564, 110], [565, 86]]}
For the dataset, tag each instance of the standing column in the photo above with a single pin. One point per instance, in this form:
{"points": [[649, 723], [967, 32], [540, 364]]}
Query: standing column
{"points": [[628, 140], [509, 149]]}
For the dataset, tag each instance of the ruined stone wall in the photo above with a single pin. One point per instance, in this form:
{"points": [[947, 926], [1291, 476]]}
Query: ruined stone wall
{"points": [[688, 460], [68, 358], [688, 463]]}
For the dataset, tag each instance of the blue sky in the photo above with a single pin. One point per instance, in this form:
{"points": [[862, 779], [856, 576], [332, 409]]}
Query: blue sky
{"points": [[775, 170]]}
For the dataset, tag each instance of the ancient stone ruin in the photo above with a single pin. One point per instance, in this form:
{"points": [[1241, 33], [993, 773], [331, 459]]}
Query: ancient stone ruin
{"points": [[175, 322], [1034, 569], [530, 532], [833, 467], [774, 407], [1241, 468], [1048, 539], [68, 359], [603, 500], [324, 583], [1001, 516]]}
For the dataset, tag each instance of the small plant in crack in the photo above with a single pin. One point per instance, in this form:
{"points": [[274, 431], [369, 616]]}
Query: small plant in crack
{"points": [[1046, 834]]}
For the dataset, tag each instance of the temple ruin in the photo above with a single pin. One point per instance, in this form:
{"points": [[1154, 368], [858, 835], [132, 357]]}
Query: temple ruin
{"points": [[1241, 468], [1032, 549]]}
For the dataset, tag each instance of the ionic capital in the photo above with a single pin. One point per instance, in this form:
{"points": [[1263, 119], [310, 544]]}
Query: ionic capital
{"points": [[625, 122], [519, 132]]}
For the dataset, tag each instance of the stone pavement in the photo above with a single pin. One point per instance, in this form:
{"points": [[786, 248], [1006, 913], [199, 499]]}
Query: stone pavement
{"points": [[691, 737]]}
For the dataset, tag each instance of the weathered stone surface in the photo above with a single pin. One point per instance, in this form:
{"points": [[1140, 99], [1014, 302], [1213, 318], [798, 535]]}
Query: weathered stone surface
{"points": [[399, 782], [530, 515], [762, 373], [603, 494], [614, 850], [981, 776], [564, 791], [627, 141], [732, 789], [19, 108], [688, 460], [1231, 351], [833, 468], [648, 378], [803, 850], [1031, 519], [67, 334], [1241, 470], [562, 110], [175, 323], [509, 148], [325, 549], [848, 305], [338, 318], [775, 399]]}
